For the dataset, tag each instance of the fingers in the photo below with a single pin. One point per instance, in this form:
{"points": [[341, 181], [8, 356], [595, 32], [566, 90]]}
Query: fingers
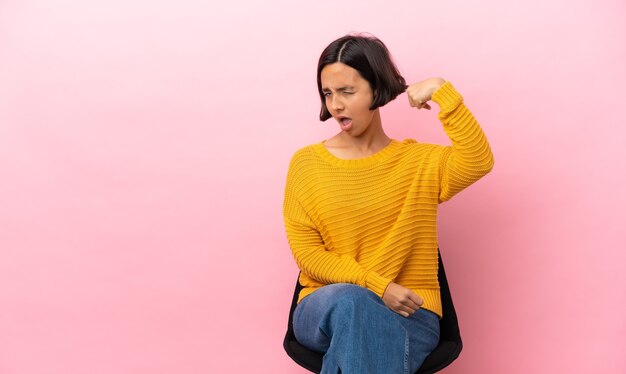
{"points": [[405, 310], [416, 299], [403, 306], [418, 103], [409, 305], [401, 299]]}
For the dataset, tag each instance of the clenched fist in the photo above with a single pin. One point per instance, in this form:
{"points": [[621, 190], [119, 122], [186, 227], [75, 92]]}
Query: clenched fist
{"points": [[421, 92], [401, 299]]}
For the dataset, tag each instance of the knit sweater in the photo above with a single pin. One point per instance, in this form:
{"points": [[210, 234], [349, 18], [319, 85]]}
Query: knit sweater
{"points": [[373, 220]]}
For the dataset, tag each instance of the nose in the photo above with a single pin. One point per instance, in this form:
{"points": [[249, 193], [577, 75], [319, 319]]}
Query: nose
{"points": [[336, 103]]}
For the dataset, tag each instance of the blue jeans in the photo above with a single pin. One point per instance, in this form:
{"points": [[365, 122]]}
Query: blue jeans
{"points": [[359, 334]]}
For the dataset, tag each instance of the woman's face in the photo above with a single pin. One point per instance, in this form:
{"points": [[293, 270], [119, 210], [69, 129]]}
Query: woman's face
{"points": [[348, 97]]}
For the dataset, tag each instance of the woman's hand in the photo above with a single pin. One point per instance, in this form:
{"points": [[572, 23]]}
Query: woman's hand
{"points": [[401, 300], [421, 92]]}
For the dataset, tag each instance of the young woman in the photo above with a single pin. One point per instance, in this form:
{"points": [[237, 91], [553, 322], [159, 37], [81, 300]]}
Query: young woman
{"points": [[360, 212]]}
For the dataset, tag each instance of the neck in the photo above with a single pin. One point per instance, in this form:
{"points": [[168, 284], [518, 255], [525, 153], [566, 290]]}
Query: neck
{"points": [[372, 140]]}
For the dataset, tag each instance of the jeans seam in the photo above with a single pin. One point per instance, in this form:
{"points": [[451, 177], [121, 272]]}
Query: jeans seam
{"points": [[406, 353]]}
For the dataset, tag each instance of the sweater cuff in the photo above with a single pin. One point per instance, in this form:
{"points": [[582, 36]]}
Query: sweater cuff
{"points": [[447, 97], [377, 283]]}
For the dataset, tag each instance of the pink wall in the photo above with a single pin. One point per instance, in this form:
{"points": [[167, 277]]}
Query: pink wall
{"points": [[143, 153]]}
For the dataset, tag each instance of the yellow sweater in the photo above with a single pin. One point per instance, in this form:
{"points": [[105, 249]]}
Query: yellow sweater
{"points": [[373, 220]]}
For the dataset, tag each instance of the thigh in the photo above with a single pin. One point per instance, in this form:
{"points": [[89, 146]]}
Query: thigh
{"points": [[311, 317], [423, 329]]}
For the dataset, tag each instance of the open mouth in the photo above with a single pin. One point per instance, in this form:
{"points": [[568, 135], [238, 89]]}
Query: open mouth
{"points": [[345, 122]]}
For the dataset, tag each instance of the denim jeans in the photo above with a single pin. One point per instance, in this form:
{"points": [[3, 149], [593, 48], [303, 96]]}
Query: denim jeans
{"points": [[359, 334]]}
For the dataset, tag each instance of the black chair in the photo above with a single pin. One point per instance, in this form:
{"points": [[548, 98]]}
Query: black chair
{"points": [[447, 350]]}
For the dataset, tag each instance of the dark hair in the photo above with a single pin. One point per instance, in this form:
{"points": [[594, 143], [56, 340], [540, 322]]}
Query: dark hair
{"points": [[370, 57]]}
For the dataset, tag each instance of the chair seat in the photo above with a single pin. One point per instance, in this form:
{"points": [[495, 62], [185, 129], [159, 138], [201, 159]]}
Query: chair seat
{"points": [[445, 352], [448, 349], [311, 360]]}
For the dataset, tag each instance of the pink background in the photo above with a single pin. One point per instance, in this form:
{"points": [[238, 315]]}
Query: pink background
{"points": [[144, 147]]}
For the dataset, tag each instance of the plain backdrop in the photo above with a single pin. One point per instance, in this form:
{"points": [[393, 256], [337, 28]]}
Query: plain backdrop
{"points": [[144, 147]]}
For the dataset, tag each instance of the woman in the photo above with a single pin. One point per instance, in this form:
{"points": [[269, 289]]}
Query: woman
{"points": [[360, 213]]}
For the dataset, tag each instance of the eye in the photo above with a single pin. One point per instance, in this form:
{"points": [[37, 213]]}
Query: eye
{"points": [[326, 94]]}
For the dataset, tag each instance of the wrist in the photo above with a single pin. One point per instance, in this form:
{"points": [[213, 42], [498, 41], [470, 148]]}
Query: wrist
{"points": [[436, 83], [447, 97]]}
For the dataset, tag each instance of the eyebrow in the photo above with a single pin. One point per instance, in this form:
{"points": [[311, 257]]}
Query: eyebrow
{"points": [[344, 88]]}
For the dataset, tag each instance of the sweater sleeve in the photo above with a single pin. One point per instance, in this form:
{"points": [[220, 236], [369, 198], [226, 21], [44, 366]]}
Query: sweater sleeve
{"points": [[470, 157], [310, 252]]}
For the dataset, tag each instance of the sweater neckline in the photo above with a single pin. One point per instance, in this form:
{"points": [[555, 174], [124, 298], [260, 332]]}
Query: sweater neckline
{"points": [[371, 160]]}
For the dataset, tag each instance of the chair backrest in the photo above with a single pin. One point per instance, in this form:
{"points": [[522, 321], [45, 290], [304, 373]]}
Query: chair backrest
{"points": [[447, 350]]}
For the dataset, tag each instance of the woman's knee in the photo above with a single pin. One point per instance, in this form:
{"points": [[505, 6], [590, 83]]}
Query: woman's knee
{"points": [[349, 302], [342, 301], [349, 294]]}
